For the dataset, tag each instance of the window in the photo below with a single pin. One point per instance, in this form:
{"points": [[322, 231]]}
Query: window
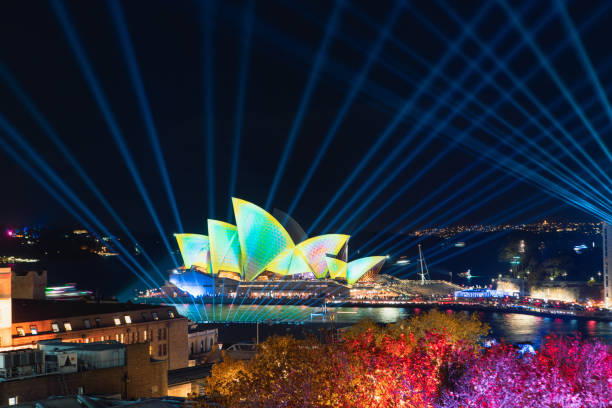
{"points": [[154, 314], [55, 327], [121, 337], [98, 322], [87, 324], [158, 334], [13, 400], [164, 333], [164, 348], [20, 331], [144, 317], [144, 335], [191, 347], [116, 337], [33, 330], [128, 319], [201, 346], [67, 326], [171, 314], [159, 350], [117, 321]]}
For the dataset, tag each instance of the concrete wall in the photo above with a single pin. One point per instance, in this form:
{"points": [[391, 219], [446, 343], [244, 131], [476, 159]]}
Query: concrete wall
{"points": [[179, 390], [140, 377], [30, 285], [178, 350]]}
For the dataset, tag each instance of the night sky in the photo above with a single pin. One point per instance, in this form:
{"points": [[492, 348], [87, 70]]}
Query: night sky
{"points": [[435, 53]]}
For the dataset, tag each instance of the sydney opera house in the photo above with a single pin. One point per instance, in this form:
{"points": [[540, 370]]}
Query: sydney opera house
{"points": [[261, 251]]}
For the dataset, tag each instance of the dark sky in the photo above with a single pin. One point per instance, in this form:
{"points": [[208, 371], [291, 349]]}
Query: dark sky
{"points": [[168, 38]]}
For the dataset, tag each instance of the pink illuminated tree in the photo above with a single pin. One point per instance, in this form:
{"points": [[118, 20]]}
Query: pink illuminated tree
{"points": [[563, 373]]}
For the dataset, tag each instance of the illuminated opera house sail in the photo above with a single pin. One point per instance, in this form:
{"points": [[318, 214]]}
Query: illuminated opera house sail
{"points": [[259, 247]]}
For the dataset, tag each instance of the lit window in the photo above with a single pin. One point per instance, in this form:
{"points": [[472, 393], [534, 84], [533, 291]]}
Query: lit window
{"points": [[87, 324], [20, 331], [171, 314], [144, 333], [128, 319], [121, 337], [154, 314], [33, 330], [67, 326], [13, 400], [55, 327], [117, 321]]}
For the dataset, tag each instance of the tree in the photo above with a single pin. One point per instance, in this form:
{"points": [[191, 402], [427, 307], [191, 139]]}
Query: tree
{"points": [[459, 327], [567, 373]]}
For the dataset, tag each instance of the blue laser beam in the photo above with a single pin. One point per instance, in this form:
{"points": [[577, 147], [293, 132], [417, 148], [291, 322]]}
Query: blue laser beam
{"points": [[398, 118], [365, 187], [305, 100], [588, 66], [18, 140], [209, 102], [248, 17], [554, 76], [139, 89], [465, 187], [347, 103], [108, 116]]}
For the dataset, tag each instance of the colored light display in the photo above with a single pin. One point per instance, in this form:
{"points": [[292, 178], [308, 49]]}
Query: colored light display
{"points": [[262, 237], [337, 268], [259, 243], [224, 247], [193, 282], [194, 249], [354, 270], [290, 262], [316, 249]]}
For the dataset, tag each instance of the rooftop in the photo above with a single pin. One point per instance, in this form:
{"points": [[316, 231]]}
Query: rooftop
{"points": [[188, 374], [96, 346], [30, 310]]}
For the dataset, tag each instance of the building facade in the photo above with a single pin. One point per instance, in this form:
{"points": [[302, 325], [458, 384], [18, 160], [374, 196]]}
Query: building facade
{"points": [[136, 376], [160, 327]]}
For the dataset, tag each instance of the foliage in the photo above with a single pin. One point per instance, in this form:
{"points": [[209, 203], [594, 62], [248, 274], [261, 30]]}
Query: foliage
{"points": [[224, 376], [566, 373], [421, 362], [457, 326]]}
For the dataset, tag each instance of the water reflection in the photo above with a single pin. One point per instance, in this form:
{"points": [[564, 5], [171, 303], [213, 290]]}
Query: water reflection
{"points": [[513, 328]]}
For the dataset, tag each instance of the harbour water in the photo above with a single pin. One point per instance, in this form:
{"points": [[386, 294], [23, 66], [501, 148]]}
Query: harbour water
{"points": [[511, 327]]}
